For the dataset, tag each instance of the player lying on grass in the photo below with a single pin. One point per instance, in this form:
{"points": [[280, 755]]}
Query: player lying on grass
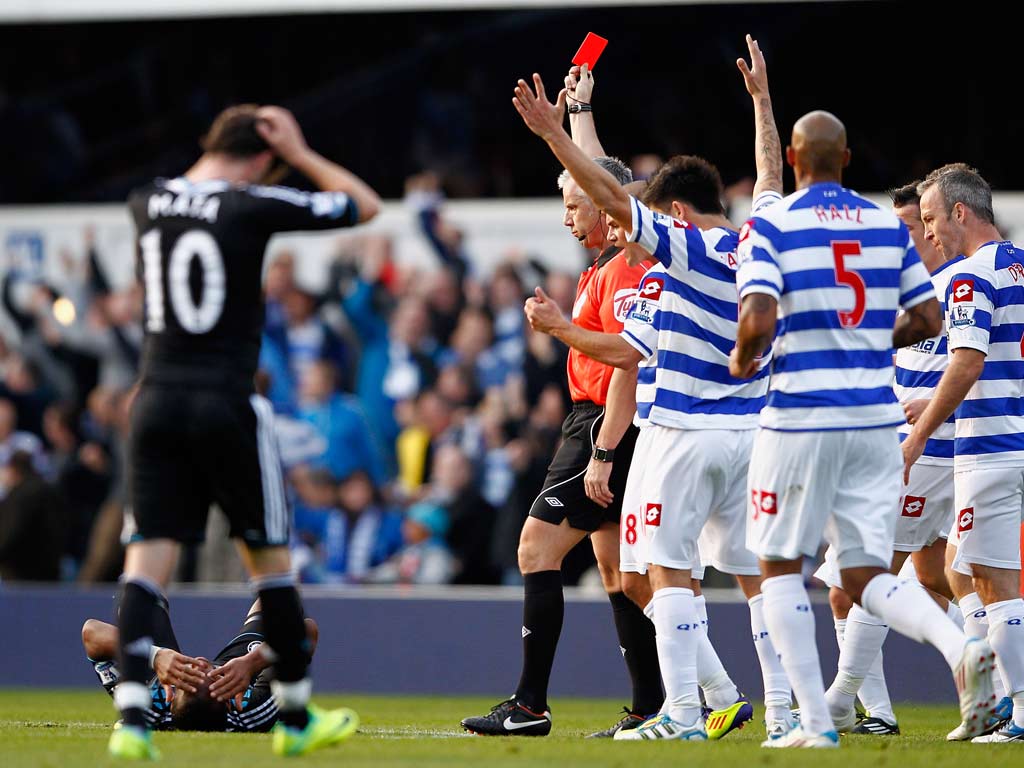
{"points": [[231, 693]]}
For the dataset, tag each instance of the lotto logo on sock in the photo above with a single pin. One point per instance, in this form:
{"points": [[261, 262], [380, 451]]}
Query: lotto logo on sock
{"points": [[913, 506], [965, 519], [765, 503], [652, 515]]}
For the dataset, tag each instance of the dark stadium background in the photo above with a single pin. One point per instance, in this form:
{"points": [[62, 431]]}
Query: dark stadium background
{"points": [[89, 110]]}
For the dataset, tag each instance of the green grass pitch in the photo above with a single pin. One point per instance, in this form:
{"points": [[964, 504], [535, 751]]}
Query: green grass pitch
{"points": [[64, 729]]}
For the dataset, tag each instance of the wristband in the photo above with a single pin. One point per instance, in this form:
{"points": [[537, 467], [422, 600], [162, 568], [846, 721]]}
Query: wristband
{"points": [[574, 108], [153, 651]]}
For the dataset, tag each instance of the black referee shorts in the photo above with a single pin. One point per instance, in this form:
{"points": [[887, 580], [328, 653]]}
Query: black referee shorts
{"points": [[564, 497], [190, 448]]}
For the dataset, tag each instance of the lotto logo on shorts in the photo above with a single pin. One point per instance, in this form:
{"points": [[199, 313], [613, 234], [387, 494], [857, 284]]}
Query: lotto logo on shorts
{"points": [[913, 506], [965, 519], [764, 502], [963, 290], [652, 515]]}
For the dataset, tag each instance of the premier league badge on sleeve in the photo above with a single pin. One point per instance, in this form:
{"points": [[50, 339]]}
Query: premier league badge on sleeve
{"points": [[961, 316]]}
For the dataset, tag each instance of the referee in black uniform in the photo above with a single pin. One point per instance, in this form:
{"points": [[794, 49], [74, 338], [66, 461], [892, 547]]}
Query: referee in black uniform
{"points": [[199, 433]]}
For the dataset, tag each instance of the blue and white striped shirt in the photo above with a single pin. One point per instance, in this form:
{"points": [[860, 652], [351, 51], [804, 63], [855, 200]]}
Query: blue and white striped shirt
{"points": [[918, 370], [985, 311], [839, 266], [684, 324]]}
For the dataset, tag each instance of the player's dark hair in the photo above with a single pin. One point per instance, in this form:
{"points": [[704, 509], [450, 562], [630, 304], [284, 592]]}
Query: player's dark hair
{"points": [[689, 179], [198, 711], [905, 195], [234, 133]]}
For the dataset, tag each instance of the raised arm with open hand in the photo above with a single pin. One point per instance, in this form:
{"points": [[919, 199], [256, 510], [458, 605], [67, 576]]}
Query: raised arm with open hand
{"points": [[545, 119], [767, 144]]}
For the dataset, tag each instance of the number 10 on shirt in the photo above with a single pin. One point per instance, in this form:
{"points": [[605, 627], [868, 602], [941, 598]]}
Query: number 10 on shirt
{"points": [[841, 249]]}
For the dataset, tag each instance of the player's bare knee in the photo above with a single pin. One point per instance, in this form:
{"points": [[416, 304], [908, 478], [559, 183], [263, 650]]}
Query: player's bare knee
{"points": [[840, 602], [88, 633], [534, 557], [637, 588]]}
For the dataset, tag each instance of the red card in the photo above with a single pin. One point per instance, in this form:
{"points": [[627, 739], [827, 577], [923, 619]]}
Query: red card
{"points": [[590, 51]]}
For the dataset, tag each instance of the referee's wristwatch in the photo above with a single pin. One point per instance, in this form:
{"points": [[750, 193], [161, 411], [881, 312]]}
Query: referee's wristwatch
{"points": [[603, 454]]}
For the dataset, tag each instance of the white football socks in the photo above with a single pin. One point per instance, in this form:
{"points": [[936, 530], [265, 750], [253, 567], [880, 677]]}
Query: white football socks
{"points": [[1006, 635], [859, 655], [973, 612], [790, 621], [908, 608], [777, 696], [719, 690], [955, 614], [976, 625], [678, 632]]}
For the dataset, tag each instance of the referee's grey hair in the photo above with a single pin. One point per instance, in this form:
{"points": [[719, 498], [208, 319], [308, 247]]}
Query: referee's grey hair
{"points": [[613, 165], [959, 183]]}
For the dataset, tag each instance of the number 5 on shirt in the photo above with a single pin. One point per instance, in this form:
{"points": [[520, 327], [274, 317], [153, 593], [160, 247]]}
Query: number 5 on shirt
{"points": [[851, 278]]}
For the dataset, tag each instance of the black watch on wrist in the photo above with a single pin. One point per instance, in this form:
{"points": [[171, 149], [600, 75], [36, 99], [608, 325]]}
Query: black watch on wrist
{"points": [[603, 454]]}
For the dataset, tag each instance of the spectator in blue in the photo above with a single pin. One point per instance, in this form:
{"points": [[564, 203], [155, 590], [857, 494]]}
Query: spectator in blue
{"points": [[424, 557], [471, 346], [304, 339], [342, 530], [340, 420]]}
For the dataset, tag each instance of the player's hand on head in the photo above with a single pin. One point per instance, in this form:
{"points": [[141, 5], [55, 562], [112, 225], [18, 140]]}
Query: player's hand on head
{"points": [[755, 76], [595, 482], [540, 115], [281, 131], [231, 679], [179, 670]]}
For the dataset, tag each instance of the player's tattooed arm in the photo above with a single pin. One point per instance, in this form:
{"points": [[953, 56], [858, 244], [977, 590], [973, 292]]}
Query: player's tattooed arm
{"points": [[920, 322], [758, 314], [767, 144]]}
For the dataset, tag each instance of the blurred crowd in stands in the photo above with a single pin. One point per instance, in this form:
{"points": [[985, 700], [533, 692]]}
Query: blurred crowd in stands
{"points": [[416, 414]]}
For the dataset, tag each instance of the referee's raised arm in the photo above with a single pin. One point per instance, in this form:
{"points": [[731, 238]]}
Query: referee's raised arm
{"points": [[281, 131]]}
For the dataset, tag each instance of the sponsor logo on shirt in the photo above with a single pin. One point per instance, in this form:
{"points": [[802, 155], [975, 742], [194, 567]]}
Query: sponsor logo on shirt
{"points": [[913, 506], [963, 290], [1016, 271], [623, 301], [651, 289]]}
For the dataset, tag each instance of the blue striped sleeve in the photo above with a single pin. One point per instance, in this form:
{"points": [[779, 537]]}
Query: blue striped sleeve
{"points": [[915, 282], [970, 301]]}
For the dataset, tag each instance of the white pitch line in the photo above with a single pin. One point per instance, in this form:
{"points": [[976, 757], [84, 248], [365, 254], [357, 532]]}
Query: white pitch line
{"points": [[412, 733]]}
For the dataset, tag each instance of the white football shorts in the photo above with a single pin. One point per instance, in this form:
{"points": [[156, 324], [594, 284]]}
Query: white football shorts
{"points": [[990, 507], [840, 486], [685, 502], [926, 507]]}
